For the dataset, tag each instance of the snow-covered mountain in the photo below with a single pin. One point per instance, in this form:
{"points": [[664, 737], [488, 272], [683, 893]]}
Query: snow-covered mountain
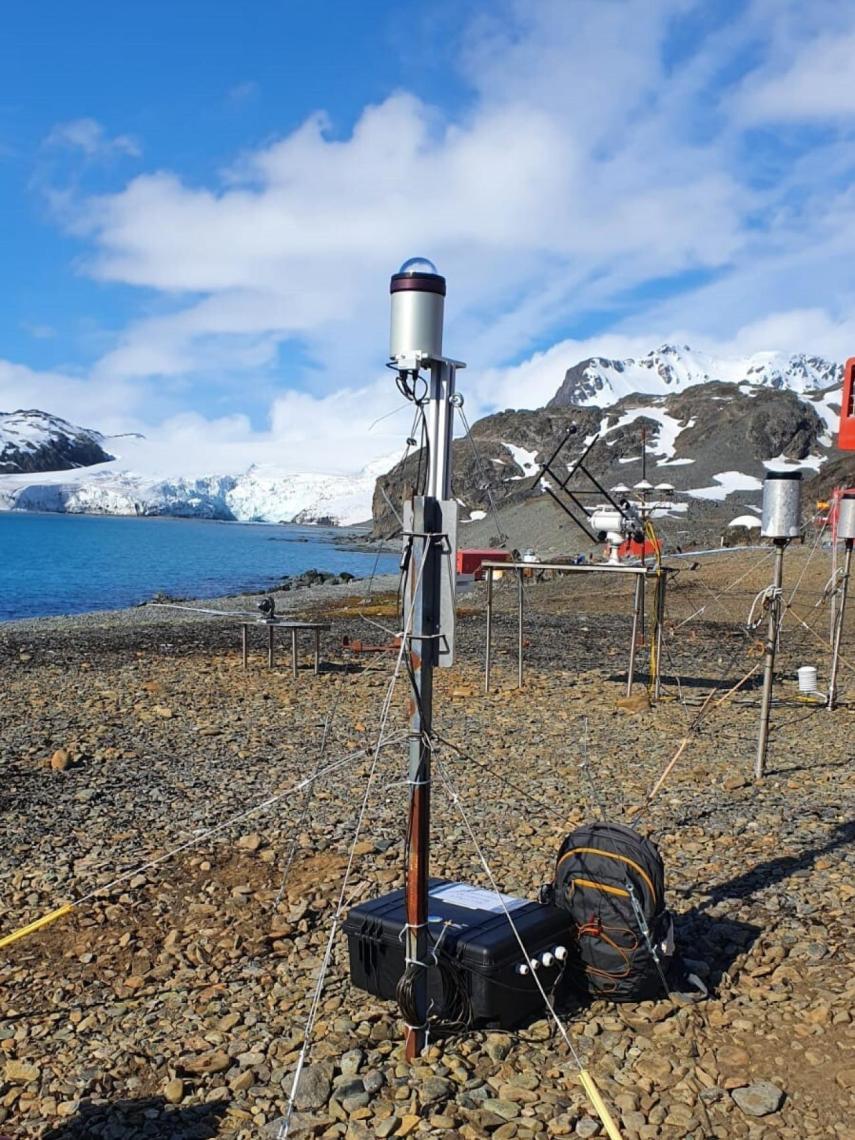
{"points": [[35, 441], [673, 368], [138, 482]]}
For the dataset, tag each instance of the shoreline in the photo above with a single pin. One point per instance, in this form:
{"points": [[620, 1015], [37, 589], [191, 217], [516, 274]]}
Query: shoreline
{"points": [[152, 613]]}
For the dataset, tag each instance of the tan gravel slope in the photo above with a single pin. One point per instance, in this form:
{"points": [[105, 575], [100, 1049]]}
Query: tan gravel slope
{"points": [[174, 1004]]}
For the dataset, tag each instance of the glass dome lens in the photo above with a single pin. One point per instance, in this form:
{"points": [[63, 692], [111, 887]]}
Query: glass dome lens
{"points": [[419, 265]]}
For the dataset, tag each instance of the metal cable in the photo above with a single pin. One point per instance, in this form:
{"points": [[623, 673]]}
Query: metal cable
{"points": [[325, 962], [502, 537]]}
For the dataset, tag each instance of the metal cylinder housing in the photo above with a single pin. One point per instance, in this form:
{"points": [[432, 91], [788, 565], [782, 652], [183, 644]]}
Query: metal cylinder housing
{"points": [[782, 504], [418, 309], [846, 516]]}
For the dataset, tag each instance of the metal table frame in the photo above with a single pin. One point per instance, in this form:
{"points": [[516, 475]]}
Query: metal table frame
{"points": [[641, 574], [293, 626]]}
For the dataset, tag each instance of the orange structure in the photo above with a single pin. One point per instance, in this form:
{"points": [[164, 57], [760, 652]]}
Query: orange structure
{"points": [[846, 436], [650, 548]]}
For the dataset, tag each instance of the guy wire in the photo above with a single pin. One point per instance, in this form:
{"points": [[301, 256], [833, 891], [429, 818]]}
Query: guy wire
{"points": [[307, 795], [325, 962], [502, 537], [585, 1078]]}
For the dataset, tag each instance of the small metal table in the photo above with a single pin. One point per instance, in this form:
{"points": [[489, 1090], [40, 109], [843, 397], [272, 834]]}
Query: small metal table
{"points": [[293, 626], [641, 575]]}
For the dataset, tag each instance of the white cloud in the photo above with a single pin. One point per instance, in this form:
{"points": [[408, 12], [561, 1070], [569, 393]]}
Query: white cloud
{"points": [[89, 137], [584, 167], [107, 405], [812, 82]]}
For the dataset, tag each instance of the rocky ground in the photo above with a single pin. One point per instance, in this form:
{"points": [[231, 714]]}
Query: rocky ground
{"points": [[173, 1003]]}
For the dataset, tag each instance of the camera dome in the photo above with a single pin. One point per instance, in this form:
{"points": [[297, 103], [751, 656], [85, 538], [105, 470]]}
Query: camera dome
{"points": [[418, 265]]}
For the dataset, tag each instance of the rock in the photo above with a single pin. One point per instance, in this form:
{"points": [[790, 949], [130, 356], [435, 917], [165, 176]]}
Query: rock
{"points": [[732, 1057], [504, 1108], [634, 704], [205, 1063], [174, 1091], [249, 842], [759, 1099], [314, 1088], [434, 1089], [352, 1061], [408, 1124], [497, 1047], [387, 1127], [587, 1126], [21, 1072], [373, 1081], [60, 760]]}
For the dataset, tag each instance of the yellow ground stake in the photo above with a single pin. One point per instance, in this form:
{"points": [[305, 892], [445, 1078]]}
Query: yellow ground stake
{"points": [[599, 1104], [45, 920]]}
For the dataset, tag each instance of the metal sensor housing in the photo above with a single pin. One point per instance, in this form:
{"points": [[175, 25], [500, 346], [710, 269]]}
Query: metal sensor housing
{"points": [[418, 308], [782, 505], [846, 516]]}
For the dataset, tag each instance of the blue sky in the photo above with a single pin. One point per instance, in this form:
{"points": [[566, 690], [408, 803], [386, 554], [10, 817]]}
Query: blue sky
{"points": [[203, 202]]}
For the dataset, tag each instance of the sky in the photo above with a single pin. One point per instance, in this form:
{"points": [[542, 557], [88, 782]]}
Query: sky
{"points": [[202, 203]]}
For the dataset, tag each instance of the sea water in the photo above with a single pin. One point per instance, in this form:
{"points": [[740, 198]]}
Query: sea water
{"points": [[67, 564]]}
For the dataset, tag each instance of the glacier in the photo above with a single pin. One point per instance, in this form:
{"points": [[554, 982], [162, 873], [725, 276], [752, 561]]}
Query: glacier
{"points": [[127, 485]]}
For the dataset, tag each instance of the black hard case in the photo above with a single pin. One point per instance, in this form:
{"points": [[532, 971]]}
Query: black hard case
{"points": [[482, 943]]}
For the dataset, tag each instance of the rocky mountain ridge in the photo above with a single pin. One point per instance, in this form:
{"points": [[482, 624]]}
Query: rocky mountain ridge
{"points": [[712, 440], [672, 368], [32, 440]]}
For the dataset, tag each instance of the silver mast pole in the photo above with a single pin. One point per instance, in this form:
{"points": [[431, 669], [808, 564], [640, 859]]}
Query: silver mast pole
{"points": [[769, 663], [418, 294], [839, 617]]}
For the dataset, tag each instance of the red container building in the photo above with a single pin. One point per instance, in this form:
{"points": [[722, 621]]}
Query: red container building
{"points": [[469, 561], [846, 438]]}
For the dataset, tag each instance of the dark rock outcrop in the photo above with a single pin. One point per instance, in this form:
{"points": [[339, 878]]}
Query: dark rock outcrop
{"points": [[691, 437], [33, 441]]}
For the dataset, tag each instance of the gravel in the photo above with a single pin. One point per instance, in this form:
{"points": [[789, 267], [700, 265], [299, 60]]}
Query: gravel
{"points": [[173, 1004]]}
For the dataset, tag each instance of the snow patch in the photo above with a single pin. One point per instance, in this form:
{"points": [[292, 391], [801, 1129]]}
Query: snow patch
{"points": [[525, 460], [727, 482], [666, 436]]}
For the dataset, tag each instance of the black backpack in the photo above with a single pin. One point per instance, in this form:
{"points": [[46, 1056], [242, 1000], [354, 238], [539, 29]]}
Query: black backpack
{"points": [[612, 881]]}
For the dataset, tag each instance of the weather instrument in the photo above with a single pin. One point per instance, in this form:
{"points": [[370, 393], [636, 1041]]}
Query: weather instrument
{"points": [[444, 949], [782, 516]]}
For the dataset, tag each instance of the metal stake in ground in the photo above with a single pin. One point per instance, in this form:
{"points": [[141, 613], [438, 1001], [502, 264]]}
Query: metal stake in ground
{"points": [[781, 522], [844, 529], [430, 534], [774, 604], [838, 627]]}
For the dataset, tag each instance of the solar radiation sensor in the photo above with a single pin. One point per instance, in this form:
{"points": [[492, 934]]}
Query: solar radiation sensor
{"points": [[418, 307]]}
